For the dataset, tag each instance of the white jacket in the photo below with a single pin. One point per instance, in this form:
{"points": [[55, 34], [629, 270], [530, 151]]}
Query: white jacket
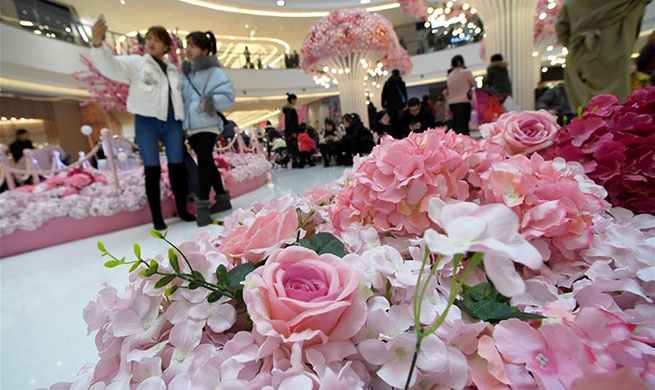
{"points": [[148, 95]]}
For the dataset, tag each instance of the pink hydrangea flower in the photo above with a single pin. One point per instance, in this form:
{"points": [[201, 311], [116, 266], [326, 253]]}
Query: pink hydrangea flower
{"points": [[299, 296], [392, 188], [548, 200]]}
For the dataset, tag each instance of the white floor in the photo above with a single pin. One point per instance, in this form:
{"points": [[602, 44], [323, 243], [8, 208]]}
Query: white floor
{"points": [[43, 337]]}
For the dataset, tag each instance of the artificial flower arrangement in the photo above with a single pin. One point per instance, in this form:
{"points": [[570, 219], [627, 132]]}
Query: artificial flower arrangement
{"points": [[82, 193], [438, 262], [77, 194], [614, 143]]}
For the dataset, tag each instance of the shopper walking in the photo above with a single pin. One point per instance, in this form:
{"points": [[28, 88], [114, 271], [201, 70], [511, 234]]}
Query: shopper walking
{"points": [[460, 82], [156, 100], [206, 90], [498, 77], [394, 95], [291, 126]]}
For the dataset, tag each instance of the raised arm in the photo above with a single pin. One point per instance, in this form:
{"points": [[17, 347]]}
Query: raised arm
{"points": [[119, 68]]}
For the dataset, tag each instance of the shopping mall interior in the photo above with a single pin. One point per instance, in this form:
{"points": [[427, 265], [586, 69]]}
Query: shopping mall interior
{"points": [[469, 185]]}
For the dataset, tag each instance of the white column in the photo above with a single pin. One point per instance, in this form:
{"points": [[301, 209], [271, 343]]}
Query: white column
{"points": [[350, 76], [509, 26]]}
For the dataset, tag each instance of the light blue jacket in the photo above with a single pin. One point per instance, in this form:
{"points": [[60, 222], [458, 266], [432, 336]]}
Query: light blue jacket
{"points": [[216, 92]]}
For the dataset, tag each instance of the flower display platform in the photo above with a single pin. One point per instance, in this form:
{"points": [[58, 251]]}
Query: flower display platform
{"points": [[66, 229]]}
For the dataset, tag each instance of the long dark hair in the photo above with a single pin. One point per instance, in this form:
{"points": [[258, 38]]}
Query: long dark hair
{"points": [[204, 40], [330, 122], [354, 120]]}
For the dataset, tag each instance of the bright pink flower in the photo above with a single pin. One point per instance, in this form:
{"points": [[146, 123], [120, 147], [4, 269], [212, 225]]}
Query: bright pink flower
{"points": [[522, 132], [257, 240], [616, 146], [299, 296]]}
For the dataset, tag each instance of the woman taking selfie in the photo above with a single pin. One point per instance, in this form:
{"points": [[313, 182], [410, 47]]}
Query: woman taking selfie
{"points": [[156, 101], [206, 91]]}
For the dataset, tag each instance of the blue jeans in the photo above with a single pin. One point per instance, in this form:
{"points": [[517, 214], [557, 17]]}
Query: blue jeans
{"points": [[149, 131]]}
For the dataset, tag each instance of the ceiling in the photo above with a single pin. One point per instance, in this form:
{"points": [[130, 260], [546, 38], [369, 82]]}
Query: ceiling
{"points": [[299, 4], [140, 14]]}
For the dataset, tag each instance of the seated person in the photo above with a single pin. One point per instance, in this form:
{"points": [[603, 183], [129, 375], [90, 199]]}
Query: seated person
{"points": [[358, 139], [417, 118], [306, 146], [556, 102], [383, 125], [329, 144]]}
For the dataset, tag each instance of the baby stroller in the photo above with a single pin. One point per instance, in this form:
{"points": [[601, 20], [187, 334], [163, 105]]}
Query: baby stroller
{"points": [[281, 156]]}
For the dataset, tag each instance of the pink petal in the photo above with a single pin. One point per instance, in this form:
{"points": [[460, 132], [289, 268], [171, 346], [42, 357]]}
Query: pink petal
{"points": [[517, 341]]}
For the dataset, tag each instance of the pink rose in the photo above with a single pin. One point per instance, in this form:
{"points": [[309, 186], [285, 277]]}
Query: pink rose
{"points": [[78, 181], [299, 296], [258, 239], [522, 132]]}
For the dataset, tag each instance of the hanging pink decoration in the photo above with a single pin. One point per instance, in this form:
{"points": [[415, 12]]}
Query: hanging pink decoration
{"points": [[545, 17], [399, 60], [347, 31], [415, 8]]}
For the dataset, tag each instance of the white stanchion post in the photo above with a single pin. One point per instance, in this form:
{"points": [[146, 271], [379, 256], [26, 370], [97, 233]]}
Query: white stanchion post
{"points": [[109, 151], [85, 163], [31, 166], [5, 164], [56, 160]]}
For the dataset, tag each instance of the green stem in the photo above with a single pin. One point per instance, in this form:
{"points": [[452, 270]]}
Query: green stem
{"points": [[454, 292], [427, 281], [417, 311], [180, 252], [208, 286], [419, 339]]}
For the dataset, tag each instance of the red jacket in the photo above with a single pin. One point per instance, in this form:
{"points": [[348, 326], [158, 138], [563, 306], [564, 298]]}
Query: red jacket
{"points": [[306, 143]]}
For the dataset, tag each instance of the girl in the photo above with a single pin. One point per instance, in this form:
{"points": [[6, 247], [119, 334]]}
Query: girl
{"points": [[460, 82], [206, 89], [155, 99]]}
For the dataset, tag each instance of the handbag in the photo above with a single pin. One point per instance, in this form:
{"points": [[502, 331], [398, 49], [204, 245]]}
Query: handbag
{"points": [[220, 114]]}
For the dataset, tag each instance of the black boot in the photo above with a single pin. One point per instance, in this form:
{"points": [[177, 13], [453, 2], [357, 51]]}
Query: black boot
{"points": [[177, 176], [153, 175], [222, 203]]}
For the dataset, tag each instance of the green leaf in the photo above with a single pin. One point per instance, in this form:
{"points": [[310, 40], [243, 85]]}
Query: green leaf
{"points": [[198, 276], [137, 251], [157, 234], [483, 301], [164, 281], [238, 274], [153, 266], [172, 258], [221, 274], [101, 247], [170, 291], [192, 286], [112, 263], [134, 266], [214, 296], [323, 243]]}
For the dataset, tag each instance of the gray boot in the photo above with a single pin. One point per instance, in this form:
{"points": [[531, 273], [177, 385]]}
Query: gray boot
{"points": [[203, 216], [222, 203]]}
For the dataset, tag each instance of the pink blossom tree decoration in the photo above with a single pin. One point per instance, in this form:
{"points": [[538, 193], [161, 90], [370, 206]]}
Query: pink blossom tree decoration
{"points": [[415, 8], [343, 45]]}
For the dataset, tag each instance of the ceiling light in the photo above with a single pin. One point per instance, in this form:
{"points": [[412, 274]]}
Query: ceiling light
{"points": [[4, 118], [535, 53], [364, 1], [544, 70], [122, 2], [26, 23], [280, 3], [13, 118], [37, 32]]}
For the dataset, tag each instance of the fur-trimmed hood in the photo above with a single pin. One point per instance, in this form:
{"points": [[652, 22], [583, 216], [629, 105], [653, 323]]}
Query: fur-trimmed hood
{"points": [[200, 63]]}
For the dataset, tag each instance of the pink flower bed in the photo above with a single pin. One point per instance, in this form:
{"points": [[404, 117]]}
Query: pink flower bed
{"points": [[615, 143], [333, 290]]}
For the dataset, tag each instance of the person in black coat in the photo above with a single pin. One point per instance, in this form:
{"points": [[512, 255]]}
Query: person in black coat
{"points": [[291, 126], [383, 126], [498, 76], [358, 139], [417, 118], [21, 143], [394, 95]]}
